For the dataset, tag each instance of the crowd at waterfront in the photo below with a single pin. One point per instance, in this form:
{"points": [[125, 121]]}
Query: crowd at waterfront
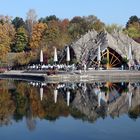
{"points": [[72, 67], [64, 67]]}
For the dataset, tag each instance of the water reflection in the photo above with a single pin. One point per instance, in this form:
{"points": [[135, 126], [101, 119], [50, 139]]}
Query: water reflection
{"points": [[86, 101]]}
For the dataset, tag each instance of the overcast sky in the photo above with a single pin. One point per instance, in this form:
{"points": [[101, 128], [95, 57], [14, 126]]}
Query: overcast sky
{"points": [[109, 11]]}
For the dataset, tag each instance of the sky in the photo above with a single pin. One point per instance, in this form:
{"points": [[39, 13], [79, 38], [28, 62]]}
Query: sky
{"points": [[108, 11]]}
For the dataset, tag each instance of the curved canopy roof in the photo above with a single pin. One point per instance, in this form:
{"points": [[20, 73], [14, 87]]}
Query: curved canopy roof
{"points": [[86, 48]]}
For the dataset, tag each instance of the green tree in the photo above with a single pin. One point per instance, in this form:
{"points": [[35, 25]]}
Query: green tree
{"points": [[77, 27], [131, 20], [48, 19], [21, 40], [18, 22], [133, 32], [133, 28], [110, 28]]}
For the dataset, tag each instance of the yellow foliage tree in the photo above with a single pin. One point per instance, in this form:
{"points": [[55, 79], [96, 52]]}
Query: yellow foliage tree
{"points": [[37, 35], [7, 34]]}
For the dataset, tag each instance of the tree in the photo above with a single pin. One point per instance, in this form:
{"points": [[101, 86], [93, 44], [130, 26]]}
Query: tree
{"points": [[98, 25], [48, 18], [133, 32], [18, 22], [131, 20], [30, 21], [22, 59], [21, 40], [110, 28], [5, 19], [52, 33], [7, 34], [38, 33], [64, 36], [77, 27], [133, 28], [91, 19], [80, 25]]}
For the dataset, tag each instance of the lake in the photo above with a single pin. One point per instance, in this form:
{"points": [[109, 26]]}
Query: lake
{"points": [[69, 111]]}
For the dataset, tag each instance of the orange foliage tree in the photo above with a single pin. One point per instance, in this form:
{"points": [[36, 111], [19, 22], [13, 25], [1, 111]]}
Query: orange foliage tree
{"points": [[7, 34], [37, 35]]}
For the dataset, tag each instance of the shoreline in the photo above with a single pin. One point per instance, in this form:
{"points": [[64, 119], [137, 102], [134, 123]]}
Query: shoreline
{"points": [[73, 76]]}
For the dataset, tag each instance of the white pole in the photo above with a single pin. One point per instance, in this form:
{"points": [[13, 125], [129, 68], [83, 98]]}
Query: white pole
{"points": [[41, 56], [68, 54], [55, 55], [99, 98], [99, 56], [41, 93], [130, 56], [68, 98], [129, 94], [130, 53], [55, 95], [99, 53]]}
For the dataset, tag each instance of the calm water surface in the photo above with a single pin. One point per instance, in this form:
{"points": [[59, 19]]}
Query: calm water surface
{"points": [[70, 111]]}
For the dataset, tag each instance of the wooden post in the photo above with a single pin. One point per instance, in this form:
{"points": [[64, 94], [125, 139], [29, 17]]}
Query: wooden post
{"points": [[107, 58]]}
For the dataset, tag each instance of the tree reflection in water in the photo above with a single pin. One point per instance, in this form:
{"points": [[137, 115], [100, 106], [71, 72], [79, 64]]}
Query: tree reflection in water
{"points": [[86, 101]]}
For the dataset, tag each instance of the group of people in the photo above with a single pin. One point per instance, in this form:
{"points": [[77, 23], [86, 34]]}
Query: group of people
{"points": [[51, 67]]}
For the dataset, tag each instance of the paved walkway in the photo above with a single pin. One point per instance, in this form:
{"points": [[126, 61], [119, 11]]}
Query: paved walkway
{"points": [[62, 76]]}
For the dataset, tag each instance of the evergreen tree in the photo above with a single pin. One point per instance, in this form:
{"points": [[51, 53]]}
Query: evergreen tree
{"points": [[18, 22], [21, 40]]}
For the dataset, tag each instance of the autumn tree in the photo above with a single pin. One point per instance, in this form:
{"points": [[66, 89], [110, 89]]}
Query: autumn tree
{"points": [[51, 37], [7, 34], [98, 26], [21, 59], [64, 36], [52, 33], [37, 38]]}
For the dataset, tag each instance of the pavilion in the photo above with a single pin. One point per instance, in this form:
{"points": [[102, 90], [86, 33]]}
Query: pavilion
{"points": [[116, 49]]}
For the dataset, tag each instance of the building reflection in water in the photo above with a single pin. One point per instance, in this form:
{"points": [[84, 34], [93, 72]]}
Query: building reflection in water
{"points": [[106, 93], [86, 101]]}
